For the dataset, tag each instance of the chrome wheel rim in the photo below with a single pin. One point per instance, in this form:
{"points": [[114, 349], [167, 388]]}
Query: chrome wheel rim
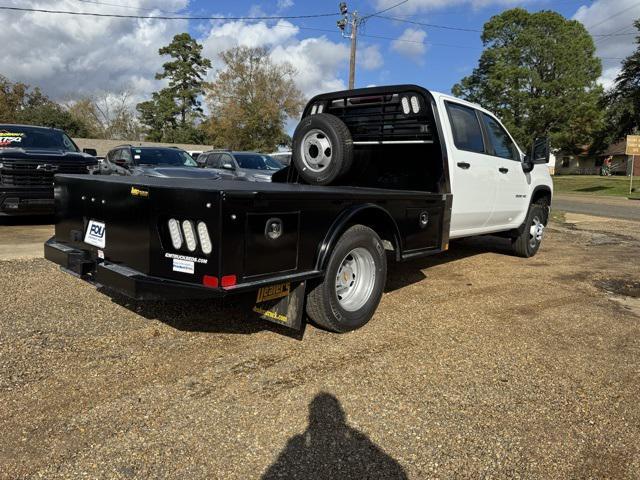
{"points": [[316, 150], [535, 232], [355, 279]]}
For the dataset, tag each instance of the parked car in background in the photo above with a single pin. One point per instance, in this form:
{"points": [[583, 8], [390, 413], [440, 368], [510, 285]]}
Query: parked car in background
{"points": [[251, 166], [29, 158], [153, 162], [283, 157], [194, 153]]}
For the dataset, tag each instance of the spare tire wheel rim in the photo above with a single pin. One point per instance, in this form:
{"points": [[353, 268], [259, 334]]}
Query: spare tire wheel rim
{"points": [[316, 150], [355, 279]]}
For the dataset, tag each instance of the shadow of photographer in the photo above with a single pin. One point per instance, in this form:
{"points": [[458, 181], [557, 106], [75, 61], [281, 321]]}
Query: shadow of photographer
{"points": [[330, 449]]}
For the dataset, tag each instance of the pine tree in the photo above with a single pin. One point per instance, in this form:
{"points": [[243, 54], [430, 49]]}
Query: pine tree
{"points": [[538, 73]]}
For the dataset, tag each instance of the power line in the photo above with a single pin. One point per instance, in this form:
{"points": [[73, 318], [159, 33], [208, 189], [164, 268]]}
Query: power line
{"points": [[435, 44], [432, 25], [614, 15], [161, 17], [119, 5], [614, 34], [375, 14], [418, 42], [603, 40]]}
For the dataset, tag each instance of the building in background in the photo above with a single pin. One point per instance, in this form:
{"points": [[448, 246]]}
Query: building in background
{"points": [[585, 163]]}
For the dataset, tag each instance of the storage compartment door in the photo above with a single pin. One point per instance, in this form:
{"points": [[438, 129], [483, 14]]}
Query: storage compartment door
{"points": [[271, 243]]}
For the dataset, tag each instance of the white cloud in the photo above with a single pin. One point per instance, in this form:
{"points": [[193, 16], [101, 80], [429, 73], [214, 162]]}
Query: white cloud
{"points": [[70, 56], [369, 57], [603, 18], [417, 6], [283, 4], [411, 43], [73, 56], [319, 62], [608, 77]]}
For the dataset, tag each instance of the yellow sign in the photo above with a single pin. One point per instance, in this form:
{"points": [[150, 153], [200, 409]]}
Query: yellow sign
{"points": [[136, 192], [273, 291], [633, 145]]}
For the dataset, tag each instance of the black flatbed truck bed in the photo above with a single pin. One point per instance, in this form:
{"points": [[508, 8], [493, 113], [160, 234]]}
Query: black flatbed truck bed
{"points": [[138, 259]]}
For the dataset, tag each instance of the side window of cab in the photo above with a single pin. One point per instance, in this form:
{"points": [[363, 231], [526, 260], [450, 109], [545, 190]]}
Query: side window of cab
{"points": [[501, 144], [467, 133]]}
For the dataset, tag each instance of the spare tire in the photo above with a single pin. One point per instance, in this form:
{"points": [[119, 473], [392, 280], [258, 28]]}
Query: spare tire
{"points": [[322, 149]]}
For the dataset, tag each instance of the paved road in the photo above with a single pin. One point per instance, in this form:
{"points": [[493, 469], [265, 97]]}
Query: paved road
{"points": [[599, 206]]}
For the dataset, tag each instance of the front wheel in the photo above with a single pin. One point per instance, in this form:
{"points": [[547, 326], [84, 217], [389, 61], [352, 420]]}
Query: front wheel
{"points": [[528, 242], [353, 284]]}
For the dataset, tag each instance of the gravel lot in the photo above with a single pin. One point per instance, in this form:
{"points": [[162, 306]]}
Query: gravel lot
{"points": [[477, 364]]}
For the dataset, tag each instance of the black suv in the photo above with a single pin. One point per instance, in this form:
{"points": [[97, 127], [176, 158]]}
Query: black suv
{"points": [[250, 166], [152, 162], [29, 158]]}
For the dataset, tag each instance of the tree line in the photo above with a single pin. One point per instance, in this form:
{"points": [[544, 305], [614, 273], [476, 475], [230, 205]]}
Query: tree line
{"points": [[247, 103], [538, 72]]}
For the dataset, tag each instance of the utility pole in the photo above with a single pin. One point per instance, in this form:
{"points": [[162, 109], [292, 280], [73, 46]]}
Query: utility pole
{"points": [[354, 40], [352, 20]]}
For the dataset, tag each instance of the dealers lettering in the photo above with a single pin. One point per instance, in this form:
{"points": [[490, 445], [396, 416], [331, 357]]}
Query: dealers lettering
{"points": [[273, 291]]}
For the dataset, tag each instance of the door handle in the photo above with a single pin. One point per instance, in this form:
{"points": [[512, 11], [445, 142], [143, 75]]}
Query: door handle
{"points": [[464, 165], [503, 170]]}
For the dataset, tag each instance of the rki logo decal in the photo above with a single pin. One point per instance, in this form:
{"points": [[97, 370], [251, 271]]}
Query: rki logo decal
{"points": [[96, 234]]}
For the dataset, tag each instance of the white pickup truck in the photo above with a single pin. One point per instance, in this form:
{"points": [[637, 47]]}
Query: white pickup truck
{"points": [[377, 174]]}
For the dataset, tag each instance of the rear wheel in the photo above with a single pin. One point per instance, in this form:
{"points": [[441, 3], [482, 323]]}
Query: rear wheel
{"points": [[528, 242], [352, 288]]}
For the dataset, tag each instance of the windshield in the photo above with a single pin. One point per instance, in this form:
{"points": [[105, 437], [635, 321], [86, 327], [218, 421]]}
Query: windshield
{"points": [[255, 161], [13, 136], [162, 156]]}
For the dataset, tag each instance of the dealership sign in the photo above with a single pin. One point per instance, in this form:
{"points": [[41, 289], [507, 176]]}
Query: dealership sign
{"points": [[633, 145]]}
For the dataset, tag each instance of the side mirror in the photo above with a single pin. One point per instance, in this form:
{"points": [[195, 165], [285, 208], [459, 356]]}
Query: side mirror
{"points": [[121, 163], [540, 151], [227, 166], [90, 151]]}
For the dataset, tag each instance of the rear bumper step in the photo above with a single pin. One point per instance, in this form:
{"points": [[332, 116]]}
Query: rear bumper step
{"points": [[122, 279]]}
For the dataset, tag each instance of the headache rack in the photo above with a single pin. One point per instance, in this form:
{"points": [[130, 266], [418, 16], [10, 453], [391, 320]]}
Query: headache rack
{"points": [[380, 115]]}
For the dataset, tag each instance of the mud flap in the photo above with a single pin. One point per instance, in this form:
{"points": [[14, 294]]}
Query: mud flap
{"points": [[282, 303]]}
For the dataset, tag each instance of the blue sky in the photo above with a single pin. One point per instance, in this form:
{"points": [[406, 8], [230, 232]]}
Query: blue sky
{"points": [[447, 55], [71, 57]]}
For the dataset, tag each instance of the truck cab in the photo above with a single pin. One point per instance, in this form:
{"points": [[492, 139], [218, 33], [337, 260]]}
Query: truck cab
{"points": [[489, 173]]}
